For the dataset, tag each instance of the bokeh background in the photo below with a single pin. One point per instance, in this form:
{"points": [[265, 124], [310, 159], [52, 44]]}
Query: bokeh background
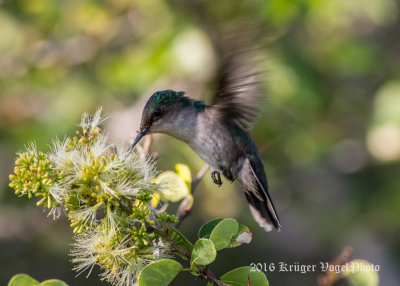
{"points": [[329, 132]]}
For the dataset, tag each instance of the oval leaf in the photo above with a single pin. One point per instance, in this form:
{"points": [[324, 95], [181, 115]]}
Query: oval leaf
{"points": [[22, 280], [172, 187], [159, 273], [180, 240], [204, 252], [245, 276], [366, 275], [223, 232], [207, 228], [53, 282]]}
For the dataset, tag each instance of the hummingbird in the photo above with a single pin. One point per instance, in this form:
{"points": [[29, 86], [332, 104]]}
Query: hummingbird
{"points": [[218, 133]]}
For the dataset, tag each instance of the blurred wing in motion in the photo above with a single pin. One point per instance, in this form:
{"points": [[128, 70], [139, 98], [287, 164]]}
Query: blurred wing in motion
{"points": [[239, 95]]}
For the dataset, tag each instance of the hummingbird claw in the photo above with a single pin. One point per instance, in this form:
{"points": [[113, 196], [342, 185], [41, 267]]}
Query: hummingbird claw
{"points": [[216, 176]]}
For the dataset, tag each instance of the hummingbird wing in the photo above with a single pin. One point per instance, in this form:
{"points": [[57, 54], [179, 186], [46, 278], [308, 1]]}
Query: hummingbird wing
{"points": [[257, 195], [238, 95]]}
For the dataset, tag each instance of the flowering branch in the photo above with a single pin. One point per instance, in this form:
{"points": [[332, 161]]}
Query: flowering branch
{"points": [[110, 195], [106, 192]]}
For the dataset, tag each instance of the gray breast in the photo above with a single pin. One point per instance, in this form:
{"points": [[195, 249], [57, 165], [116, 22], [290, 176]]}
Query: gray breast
{"points": [[213, 143]]}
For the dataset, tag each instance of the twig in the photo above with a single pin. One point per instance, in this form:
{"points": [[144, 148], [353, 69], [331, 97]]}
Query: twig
{"points": [[163, 208], [185, 207], [204, 271], [144, 150], [148, 140], [331, 277]]}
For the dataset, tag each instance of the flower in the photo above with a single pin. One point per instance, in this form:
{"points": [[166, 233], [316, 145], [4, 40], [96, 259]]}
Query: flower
{"points": [[106, 192]]}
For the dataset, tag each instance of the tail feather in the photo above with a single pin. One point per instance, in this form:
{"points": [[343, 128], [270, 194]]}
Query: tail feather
{"points": [[258, 197]]}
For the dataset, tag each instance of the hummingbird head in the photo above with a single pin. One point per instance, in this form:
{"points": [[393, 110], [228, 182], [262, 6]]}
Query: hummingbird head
{"points": [[160, 113]]}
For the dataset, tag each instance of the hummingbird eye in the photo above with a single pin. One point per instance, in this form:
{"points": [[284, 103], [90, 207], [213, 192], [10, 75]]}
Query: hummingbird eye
{"points": [[157, 112]]}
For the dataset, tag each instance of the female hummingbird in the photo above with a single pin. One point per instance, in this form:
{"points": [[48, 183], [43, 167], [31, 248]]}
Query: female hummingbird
{"points": [[218, 134]]}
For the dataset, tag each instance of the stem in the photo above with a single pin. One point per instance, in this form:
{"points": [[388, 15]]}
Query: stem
{"points": [[205, 272], [148, 140], [184, 209], [330, 277], [145, 149]]}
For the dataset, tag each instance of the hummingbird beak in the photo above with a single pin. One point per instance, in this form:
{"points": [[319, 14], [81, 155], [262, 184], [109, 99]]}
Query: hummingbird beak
{"points": [[138, 137]]}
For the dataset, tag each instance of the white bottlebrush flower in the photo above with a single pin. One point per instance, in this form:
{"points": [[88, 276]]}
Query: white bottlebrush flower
{"points": [[100, 146], [58, 192], [111, 221], [58, 151], [55, 212], [126, 275], [126, 188], [86, 215], [88, 247], [128, 157], [107, 188], [69, 162], [31, 149], [133, 163], [89, 121], [99, 247], [75, 173]]}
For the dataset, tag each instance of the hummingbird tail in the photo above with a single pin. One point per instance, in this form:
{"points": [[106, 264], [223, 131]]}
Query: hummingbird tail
{"points": [[258, 197]]}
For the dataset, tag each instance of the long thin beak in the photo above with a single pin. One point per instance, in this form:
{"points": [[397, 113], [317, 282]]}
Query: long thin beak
{"points": [[138, 137]]}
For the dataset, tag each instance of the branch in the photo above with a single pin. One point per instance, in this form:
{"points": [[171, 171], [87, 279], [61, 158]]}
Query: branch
{"points": [[204, 271], [148, 140], [144, 150], [185, 207], [330, 277], [207, 274]]}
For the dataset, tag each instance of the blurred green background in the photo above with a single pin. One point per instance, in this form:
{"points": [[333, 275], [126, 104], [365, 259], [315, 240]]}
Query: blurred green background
{"points": [[329, 132]]}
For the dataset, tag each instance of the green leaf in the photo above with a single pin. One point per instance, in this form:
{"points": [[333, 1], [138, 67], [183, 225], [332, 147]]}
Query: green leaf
{"points": [[180, 240], [53, 282], [194, 270], [204, 252], [159, 273], [223, 232], [208, 227], [22, 280], [172, 187], [26, 280], [361, 272], [243, 235], [243, 275]]}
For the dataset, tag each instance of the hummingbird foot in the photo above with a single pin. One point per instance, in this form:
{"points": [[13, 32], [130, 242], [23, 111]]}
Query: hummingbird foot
{"points": [[216, 176]]}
